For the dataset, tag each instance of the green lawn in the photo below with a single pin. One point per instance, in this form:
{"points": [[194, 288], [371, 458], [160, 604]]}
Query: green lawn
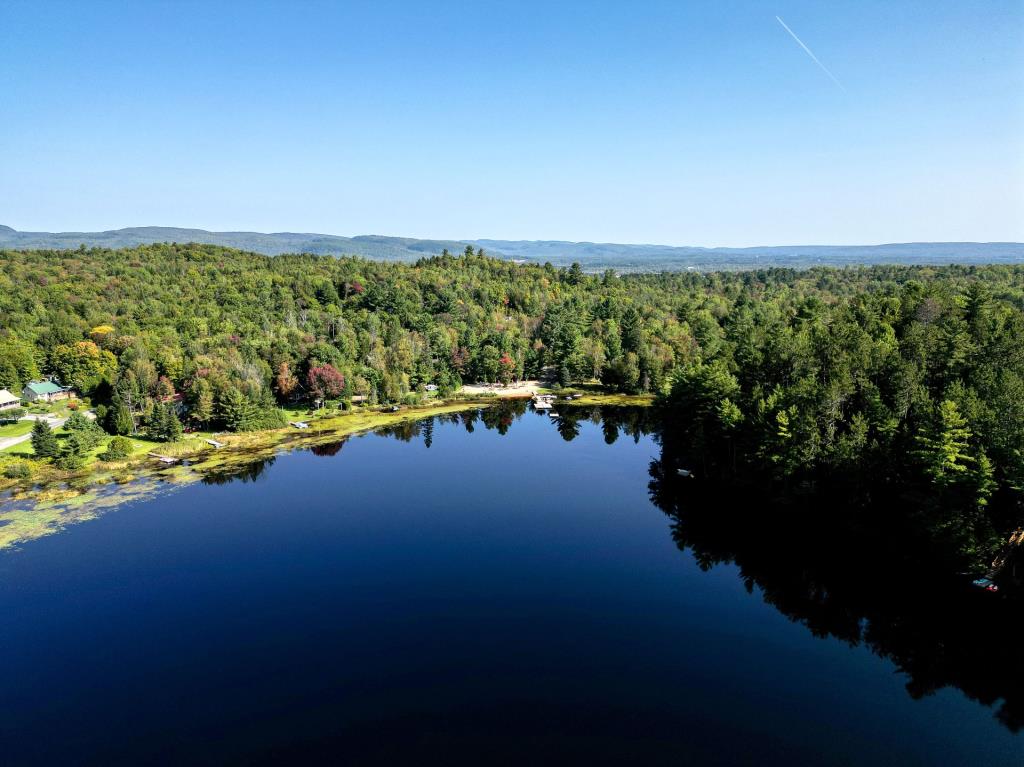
{"points": [[22, 448], [15, 429]]}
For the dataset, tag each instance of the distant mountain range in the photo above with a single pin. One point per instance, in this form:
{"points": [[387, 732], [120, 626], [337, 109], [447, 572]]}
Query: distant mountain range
{"points": [[370, 246], [593, 256]]}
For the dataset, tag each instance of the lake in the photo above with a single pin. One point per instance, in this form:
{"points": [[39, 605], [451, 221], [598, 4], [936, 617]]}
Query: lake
{"points": [[493, 588]]}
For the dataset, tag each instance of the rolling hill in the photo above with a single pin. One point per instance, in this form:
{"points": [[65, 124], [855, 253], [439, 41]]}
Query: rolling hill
{"points": [[593, 256]]}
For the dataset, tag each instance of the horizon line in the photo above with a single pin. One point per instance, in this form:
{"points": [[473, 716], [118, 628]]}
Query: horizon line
{"points": [[477, 240]]}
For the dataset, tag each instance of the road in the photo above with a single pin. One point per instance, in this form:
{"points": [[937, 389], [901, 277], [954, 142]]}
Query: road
{"points": [[55, 423]]}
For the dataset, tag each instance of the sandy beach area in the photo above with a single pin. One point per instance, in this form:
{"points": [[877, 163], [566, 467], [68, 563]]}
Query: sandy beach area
{"points": [[518, 389]]}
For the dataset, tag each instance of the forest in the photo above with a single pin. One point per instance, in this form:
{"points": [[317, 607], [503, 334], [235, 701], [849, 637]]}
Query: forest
{"points": [[912, 376]]}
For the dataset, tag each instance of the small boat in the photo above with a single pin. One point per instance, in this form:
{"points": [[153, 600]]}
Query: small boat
{"points": [[684, 473], [163, 458], [215, 443], [299, 424], [553, 414], [985, 583]]}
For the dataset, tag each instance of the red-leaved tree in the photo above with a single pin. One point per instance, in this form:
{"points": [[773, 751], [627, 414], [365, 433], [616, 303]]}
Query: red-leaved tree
{"points": [[325, 382], [506, 368]]}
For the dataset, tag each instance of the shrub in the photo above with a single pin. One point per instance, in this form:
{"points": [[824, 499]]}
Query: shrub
{"points": [[272, 418], [12, 414], [118, 449], [18, 470], [70, 461]]}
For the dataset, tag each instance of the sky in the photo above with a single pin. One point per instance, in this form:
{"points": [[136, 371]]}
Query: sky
{"points": [[644, 122]]}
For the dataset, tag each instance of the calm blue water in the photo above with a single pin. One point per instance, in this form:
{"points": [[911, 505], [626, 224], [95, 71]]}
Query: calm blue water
{"points": [[488, 599]]}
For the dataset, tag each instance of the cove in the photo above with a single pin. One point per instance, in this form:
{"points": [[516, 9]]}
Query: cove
{"points": [[487, 587]]}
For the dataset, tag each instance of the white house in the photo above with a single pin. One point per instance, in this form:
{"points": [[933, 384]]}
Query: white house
{"points": [[8, 401]]}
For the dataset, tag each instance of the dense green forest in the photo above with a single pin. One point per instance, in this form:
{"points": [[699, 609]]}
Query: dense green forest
{"points": [[217, 325], [915, 374]]}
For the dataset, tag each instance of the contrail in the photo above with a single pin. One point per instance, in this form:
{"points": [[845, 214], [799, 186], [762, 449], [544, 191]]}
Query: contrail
{"points": [[811, 54]]}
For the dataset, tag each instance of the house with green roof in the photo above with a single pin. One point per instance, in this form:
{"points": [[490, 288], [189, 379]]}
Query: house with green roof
{"points": [[44, 391]]}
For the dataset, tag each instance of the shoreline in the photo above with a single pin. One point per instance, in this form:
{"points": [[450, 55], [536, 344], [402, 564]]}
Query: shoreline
{"points": [[46, 504]]}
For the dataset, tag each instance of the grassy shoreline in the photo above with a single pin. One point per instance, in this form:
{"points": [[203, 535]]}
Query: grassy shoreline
{"points": [[51, 498]]}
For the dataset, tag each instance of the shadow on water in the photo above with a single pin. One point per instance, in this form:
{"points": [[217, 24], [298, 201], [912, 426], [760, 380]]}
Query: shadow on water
{"points": [[864, 581]]}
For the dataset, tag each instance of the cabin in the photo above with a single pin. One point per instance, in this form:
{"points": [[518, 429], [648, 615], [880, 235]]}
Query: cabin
{"points": [[44, 391], [8, 401]]}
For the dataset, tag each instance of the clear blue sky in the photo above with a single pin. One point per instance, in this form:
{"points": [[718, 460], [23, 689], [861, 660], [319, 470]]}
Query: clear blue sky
{"points": [[678, 123]]}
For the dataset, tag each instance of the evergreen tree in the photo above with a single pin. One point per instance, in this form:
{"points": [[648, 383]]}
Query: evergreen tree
{"points": [[201, 401], [944, 446], [165, 425], [44, 441], [74, 450], [236, 411]]}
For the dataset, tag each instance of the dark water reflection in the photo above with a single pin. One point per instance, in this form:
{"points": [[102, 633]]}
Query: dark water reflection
{"points": [[247, 472], [863, 581], [328, 450], [496, 586]]}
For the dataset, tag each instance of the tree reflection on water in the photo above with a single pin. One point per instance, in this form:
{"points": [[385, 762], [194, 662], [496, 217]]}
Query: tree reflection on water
{"points": [[862, 579], [246, 472], [329, 449]]}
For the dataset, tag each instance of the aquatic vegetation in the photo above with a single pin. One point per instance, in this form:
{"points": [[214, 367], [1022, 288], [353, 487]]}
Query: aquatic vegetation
{"points": [[50, 503]]}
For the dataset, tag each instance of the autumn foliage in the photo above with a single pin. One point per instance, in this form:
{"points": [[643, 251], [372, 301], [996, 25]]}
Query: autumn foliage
{"points": [[325, 382]]}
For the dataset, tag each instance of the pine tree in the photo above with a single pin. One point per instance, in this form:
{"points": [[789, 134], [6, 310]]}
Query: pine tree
{"points": [[74, 450], [119, 418], [236, 411], [165, 425], [44, 441], [944, 447]]}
